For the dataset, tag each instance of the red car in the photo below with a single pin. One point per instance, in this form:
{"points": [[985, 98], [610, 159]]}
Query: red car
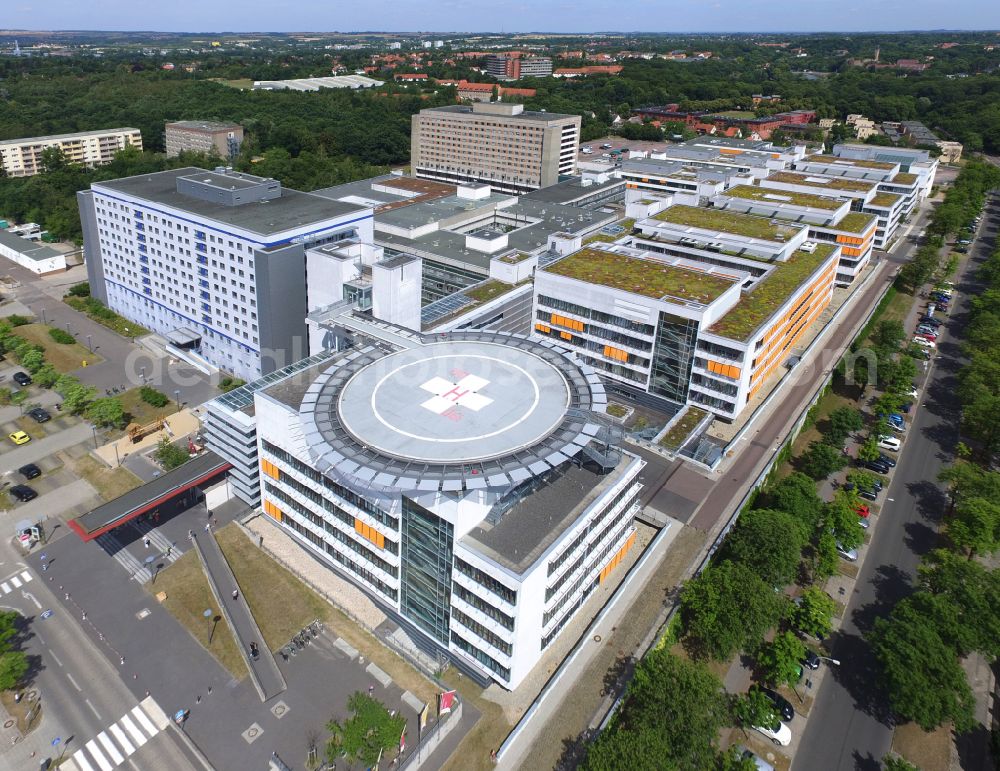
{"points": [[863, 511], [927, 336]]}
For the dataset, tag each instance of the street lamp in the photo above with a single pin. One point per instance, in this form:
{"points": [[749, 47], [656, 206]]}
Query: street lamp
{"points": [[142, 374], [177, 397], [208, 617], [94, 429], [90, 344], [69, 327], [43, 314]]}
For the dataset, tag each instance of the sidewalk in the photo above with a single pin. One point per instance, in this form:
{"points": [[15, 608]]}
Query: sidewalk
{"points": [[263, 669]]}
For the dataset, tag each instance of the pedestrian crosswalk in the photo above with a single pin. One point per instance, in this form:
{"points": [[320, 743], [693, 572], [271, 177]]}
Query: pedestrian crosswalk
{"points": [[13, 582], [159, 546], [111, 747]]}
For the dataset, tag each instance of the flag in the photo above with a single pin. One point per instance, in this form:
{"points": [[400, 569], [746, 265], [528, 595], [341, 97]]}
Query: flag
{"points": [[402, 742], [446, 701], [425, 714]]}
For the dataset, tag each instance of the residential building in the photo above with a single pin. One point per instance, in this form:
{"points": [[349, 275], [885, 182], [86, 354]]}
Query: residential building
{"points": [[483, 92], [204, 136], [478, 505], [499, 144], [701, 307], [23, 157], [212, 260], [592, 69], [514, 66]]}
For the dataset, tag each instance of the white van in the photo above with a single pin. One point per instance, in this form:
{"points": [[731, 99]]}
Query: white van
{"points": [[890, 443], [924, 342]]}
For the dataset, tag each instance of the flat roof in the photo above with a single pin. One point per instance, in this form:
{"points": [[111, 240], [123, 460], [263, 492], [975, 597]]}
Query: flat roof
{"points": [[403, 191], [903, 178], [770, 195], [643, 276], [290, 211], [764, 298], [571, 190], [723, 221], [886, 200], [454, 402], [855, 222], [75, 135], [33, 250], [466, 109], [836, 160], [524, 533], [819, 181], [203, 125]]}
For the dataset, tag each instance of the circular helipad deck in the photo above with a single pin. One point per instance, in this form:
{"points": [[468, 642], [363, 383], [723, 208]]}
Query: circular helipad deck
{"points": [[454, 402]]}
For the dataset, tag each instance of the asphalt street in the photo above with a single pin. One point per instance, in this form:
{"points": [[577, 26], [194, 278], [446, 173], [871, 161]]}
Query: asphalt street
{"points": [[851, 725]]}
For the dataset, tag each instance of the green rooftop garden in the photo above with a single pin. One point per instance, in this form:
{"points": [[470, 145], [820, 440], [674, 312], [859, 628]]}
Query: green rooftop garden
{"points": [[832, 183], [862, 164], [646, 277], [759, 303], [903, 178], [488, 290], [681, 430], [719, 220], [769, 195], [855, 222], [884, 200], [626, 223]]}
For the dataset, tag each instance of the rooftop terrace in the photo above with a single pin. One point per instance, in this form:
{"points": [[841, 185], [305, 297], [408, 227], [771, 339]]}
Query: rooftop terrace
{"points": [[722, 221], [838, 161], [769, 195], [646, 277], [762, 300]]}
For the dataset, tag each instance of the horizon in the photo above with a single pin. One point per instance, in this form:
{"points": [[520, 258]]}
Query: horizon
{"points": [[698, 17]]}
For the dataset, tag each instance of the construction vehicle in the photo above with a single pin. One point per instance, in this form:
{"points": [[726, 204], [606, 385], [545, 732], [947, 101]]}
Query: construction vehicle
{"points": [[137, 432]]}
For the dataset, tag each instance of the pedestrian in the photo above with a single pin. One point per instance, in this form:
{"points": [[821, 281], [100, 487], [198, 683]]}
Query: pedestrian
{"points": [[17, 698], [208, 527], [190, 535], [215, 521], [236, 593], [371, 689], [145, 542], [197, 699]]}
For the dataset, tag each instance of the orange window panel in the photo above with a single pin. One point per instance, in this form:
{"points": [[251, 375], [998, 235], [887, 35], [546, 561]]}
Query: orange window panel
{"points": [[270, 469], [369, 533], [565, 335], [272, 511], [543, 328]]}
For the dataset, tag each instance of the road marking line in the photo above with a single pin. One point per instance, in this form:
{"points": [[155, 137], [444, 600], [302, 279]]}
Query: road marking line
{"points": [[157, 715], [109, 745], [97, 755], [16, 581], [55, 658], [80, 758], [135, 733], [6, 587], [26, 576], [93, 709], [122, 739], [70, 677], [144, 721]]}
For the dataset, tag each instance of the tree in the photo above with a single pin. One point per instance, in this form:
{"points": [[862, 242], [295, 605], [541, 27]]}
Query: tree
{"points": [[896, 763], [781, 659], [733, 760], [13, 662], [921, 673], [821, 460], [869, 449], [826, 560], [151, 396], [770, 543], [796, 495], [33, 361], [975, 526], [46, 376], [813, 614], [754, 708], [670, 719], [728, 608], [77, 397], [369, 732], [168, 455], [974, 593], [841, 423], [841, 517], [107, 411]]}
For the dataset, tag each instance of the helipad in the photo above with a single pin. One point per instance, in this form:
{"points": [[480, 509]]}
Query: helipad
{"points": [[454, 402]]}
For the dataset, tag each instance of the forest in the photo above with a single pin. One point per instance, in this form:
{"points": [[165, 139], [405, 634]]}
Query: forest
{"points": [[317, 139]]}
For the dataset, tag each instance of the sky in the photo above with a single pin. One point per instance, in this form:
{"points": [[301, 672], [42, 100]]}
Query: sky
{"points": [[501, 15]]}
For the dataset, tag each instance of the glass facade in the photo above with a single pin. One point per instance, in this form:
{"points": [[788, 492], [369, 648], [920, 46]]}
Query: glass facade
{"points": [[673, 355], [426, 554]]}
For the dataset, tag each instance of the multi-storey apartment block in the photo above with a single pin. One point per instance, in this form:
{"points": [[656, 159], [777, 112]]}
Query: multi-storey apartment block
{"points": [[23, 157], [499, 144], [515, 66], [204, 136], [471, 487], [212, 260]]}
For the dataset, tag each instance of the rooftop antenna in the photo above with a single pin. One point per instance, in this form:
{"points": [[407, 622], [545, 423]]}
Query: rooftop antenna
{"points": [[17, 49]]}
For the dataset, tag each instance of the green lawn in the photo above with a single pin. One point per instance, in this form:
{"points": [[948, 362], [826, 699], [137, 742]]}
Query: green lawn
{"points": [[142, 413], [65, 358], [682, 429]]}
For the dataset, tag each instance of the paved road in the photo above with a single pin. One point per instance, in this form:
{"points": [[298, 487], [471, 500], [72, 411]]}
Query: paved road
{"points": [[39, 448], [851, 726]]}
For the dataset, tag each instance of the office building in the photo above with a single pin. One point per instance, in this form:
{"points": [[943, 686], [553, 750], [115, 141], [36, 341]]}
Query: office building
{"points": [[498, 144], [204, 136], [513, 66], [23, 157], [478, 504], [212, 260], [919, 163], [701, 307]]}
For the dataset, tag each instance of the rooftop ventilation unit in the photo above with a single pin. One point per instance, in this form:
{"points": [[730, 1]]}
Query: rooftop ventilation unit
{"points": [[808, 246]]}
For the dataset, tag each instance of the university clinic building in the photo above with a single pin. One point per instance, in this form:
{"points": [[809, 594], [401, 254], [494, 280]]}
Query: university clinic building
{"points": [[469, 482]]}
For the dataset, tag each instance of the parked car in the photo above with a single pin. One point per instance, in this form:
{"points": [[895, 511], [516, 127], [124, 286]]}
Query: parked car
{"points": [[39, 415], [887, 460], [867, 494], [23, 493], [606, 146], [930, 321], [782, 705], [862, 510], [19, 437], [29, 471], [851, 555], [874, 465], [928, 336], [924, 343], [759, 763], [779, 733], [890, 443], [864, 523], [21, 378]]}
